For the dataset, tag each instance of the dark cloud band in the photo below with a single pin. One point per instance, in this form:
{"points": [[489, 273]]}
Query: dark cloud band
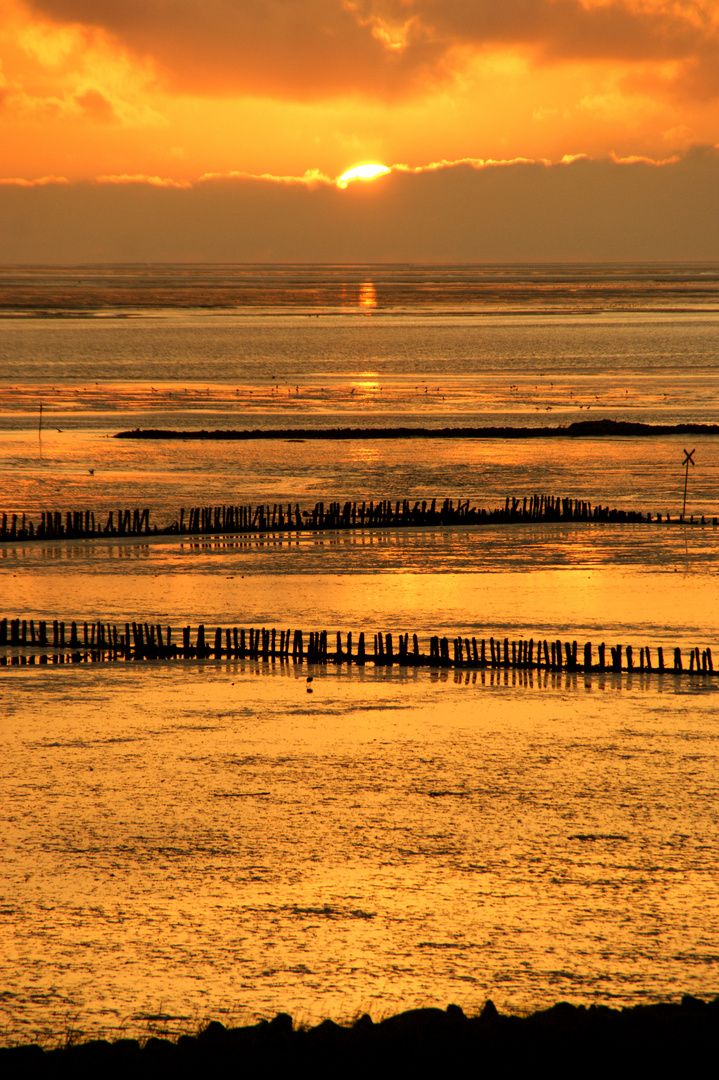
{"points": [[312, 49], [515, 212]]}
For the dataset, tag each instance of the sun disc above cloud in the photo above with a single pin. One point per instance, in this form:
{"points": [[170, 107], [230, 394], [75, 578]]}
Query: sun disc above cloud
{"points": [[369, 171]]}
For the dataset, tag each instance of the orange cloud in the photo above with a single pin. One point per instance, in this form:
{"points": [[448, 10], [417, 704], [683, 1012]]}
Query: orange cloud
{"points": [[42, 181], [96, 106], [474, 163], [309, 49], [139, 178], [634, 159], [310, 178]]}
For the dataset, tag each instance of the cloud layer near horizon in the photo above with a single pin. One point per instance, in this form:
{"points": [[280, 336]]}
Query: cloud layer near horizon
{"points": [[523, 211], [308, 49]]}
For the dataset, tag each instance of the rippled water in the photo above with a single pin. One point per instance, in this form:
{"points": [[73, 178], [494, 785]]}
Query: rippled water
{"points": [[194, 840], [217, 842]]}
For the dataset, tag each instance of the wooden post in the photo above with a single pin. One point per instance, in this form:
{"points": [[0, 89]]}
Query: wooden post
{"points": [[688, 460]]}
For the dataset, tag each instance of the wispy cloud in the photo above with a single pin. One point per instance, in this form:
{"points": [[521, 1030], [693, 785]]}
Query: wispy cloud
{"points": [[314, 178], [41, 181], [141, 178], [310, 178], [636, 159]]}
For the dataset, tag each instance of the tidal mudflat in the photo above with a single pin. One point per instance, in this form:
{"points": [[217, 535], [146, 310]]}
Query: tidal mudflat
{"points": [[216, 843], [207, 841]]}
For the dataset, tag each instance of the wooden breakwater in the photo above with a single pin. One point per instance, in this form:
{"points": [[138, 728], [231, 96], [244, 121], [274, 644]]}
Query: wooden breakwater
{"points": [[289, 518], [75, 524], [77, 642]]}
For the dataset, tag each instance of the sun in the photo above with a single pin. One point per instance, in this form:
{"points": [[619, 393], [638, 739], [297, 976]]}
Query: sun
{"points": [[362, 172]]}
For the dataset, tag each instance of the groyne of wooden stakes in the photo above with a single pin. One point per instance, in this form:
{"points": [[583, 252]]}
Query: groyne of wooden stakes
{"points": [[251, 518], [94, 642]]}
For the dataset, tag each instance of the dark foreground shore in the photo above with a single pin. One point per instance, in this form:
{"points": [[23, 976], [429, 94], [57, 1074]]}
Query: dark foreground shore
{"points": [[564, 1040]]}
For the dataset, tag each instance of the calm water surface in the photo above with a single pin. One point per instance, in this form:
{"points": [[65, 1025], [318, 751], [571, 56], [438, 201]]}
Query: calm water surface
{"points": [[186, 841]]}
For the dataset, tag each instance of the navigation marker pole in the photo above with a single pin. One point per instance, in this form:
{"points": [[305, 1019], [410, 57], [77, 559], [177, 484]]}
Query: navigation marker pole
{"points": [[688, 460], [39, 430]]}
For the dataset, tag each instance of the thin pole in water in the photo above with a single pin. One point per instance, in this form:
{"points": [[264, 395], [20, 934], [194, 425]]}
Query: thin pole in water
{"points": [[39, 430], [688, 460]]}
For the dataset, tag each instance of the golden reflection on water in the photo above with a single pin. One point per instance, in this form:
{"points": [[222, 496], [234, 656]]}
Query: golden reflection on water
{"points": [[212, 840], [640, 586], [367, 295]]}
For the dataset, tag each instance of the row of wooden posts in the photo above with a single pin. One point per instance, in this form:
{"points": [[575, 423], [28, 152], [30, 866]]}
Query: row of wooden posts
{"points": [[75, 524], [279, 517], [146, 641]]}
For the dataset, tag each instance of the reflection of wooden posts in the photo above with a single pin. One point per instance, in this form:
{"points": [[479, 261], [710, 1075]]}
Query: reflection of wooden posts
{"points": [[688, 460]]}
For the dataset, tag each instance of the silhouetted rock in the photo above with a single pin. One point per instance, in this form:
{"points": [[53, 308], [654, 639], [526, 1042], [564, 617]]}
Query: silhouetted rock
{"points": [[565, 1039]]}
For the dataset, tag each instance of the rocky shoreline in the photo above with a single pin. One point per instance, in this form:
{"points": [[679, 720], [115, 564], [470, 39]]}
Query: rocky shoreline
{"points": [[566, 1039]]}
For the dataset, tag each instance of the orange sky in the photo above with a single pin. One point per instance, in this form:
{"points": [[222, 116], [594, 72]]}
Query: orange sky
{"points": [[159, 129], [176, 89]]}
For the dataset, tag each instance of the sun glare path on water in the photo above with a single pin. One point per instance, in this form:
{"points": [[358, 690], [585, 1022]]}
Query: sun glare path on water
{"points": [[362, 172]]}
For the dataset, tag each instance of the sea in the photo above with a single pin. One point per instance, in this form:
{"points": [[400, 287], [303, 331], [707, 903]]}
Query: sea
{"points": [[194, 840]]}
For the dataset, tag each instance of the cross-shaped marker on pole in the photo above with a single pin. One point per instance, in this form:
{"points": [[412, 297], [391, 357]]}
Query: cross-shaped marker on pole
{"points": [[688, 460]]}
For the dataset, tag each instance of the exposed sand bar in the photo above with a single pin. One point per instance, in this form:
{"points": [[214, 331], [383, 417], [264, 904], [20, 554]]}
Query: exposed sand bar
{"points": [[581, 429]]}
